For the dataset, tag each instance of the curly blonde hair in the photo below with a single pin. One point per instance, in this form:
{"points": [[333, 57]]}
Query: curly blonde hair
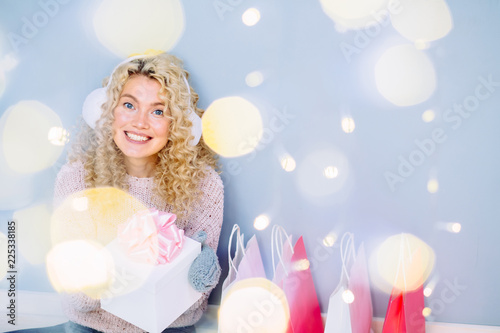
{"points": [[180, 166]]}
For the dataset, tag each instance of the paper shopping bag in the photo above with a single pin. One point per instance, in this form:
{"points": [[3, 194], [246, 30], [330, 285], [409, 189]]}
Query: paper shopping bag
{"points": [[247, 261], [293, 275], [246, 264], [404, 312], [350, 306]]}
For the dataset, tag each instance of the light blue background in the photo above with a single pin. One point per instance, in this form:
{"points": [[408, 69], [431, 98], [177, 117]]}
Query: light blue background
{"points": [[298, 49]]}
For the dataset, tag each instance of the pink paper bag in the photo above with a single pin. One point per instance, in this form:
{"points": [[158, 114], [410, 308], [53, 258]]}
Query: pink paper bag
{"points": [[294, 277]]}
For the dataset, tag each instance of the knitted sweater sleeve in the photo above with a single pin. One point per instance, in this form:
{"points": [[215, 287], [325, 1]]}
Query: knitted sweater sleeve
{"points": [[207, 213]]}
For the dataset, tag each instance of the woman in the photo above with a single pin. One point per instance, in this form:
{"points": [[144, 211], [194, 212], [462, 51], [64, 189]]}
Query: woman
{"points": [[145, 143]]}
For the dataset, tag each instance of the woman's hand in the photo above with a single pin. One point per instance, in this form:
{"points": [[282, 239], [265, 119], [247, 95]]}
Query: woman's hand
{"points": [[205, 270]]}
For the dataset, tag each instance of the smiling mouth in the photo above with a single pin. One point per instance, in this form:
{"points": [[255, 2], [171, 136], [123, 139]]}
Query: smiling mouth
{"points": [[138, 138]]}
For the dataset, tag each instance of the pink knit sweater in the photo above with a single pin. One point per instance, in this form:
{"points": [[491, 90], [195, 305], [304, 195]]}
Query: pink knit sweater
{"points": [[206, 214]]}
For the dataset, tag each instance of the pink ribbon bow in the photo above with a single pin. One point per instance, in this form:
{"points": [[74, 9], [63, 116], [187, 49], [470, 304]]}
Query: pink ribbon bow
{"points": [[151, 236]]}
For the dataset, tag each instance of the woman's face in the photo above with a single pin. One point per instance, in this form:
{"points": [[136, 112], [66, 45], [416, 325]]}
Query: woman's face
{"points": [[140, 127]]}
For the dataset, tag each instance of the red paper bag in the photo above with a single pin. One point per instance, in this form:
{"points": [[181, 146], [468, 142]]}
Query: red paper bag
{"points": [[294, 277], [404, 313]]}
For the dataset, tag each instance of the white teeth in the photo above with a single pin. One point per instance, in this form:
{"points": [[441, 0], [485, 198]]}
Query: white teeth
{"points": [[136, 137]]}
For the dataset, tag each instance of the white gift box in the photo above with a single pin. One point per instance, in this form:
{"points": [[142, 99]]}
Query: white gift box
{"points": [[151, 296]]}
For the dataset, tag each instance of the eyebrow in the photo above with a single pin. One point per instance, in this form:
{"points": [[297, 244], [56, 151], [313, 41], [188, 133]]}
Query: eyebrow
{"points": [[135, 100]]}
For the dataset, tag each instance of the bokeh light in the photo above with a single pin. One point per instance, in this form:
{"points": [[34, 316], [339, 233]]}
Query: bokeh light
{"points": [[454, 227], [426, 312], [424, 20], [331, 172], [353, 14], [254, 79], [402, 261], [348, 296], [254, 305], [80, 265], [261, 222], [232, 126], [3, 253], [24, 138], [432, 185], [160, 26], [428, 291], [405, 76], [80, 204], [58, 136], [288, 163], [330, 239], [317, 166], [301, 265], [348, 124], [428, 116], [251, 17], [33, 227], [106, 208]]}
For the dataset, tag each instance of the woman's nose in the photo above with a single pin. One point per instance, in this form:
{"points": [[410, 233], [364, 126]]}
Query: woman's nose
{"points": [[140, 120]]}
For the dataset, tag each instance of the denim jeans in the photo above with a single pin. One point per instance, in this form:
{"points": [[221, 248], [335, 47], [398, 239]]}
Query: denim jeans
{"points": [[71, 327]]}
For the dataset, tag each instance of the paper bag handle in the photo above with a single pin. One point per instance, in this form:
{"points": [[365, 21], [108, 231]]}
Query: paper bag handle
{"points": [[239, 241], [347, 251], [279, 232], [404, 241]]}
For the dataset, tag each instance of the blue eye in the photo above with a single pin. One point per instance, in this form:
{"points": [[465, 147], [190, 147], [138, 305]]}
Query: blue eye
{"points": [[128, 105], [158, 112]]}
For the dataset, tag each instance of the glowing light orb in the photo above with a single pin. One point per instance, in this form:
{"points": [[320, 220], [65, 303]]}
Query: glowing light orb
{"points": [[432, 185], [3, 252], [454, 227], [288, 163], [331, 172], [301, 265], [402, 261], [428, 292], [261, 222], [24, 138], [251, 17], [428, 116], [58, 136], [127, 26], [232, 126], [316, 166], [405, 76], [353, 14], [33, 227], [80, 204], [330, 239], [426, 312], [254, 79], [80, 265], [348, 124], [254, 305], [348, 296], [93, 214], [424, 20]]}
